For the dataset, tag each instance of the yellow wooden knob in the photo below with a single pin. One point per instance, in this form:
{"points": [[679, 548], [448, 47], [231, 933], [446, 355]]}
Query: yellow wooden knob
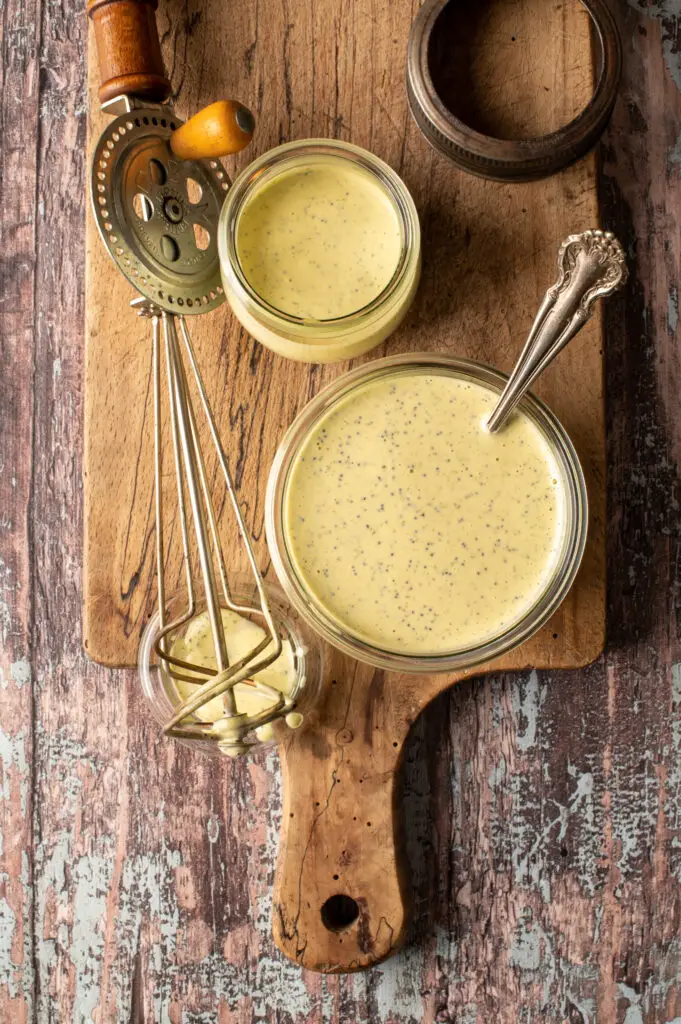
{"points": [[217, 130]]}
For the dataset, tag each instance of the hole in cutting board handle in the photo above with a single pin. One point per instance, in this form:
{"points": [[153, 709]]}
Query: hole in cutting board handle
{"points": [[339, 912]]}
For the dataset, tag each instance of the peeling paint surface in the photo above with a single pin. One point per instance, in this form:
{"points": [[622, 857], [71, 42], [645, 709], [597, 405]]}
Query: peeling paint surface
{"points": [[542, 810]]}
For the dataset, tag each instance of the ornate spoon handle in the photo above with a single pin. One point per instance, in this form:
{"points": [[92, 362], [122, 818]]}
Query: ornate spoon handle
{"points": [[591, 265]]}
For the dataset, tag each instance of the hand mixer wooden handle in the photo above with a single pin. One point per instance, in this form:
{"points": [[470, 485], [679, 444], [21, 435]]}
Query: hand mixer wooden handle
{"points": [[130, 63], [128, 48], [220, 128]]}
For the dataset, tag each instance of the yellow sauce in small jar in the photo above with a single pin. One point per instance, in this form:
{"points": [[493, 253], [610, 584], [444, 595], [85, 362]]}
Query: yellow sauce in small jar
{"points": [[320, 250], [319, 242]]}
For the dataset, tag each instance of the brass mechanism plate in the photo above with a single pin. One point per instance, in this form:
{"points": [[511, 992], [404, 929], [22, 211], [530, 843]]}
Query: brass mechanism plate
{"points": [[157, 215]]}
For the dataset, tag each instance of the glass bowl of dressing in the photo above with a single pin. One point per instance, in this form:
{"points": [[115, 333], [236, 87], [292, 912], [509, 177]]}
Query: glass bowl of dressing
{"points": [[408, 535], [320, 250], [298, 672]]}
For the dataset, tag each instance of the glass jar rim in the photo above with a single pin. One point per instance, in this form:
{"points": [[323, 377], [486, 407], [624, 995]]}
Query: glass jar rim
{"points": [[278, 158], [560, 580]]}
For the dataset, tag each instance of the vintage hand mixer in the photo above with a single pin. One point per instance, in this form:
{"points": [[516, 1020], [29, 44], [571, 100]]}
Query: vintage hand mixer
{"points": [[157, 190]]}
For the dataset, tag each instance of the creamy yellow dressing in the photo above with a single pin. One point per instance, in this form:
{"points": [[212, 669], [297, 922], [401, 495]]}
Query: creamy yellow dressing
{"points": [[319, 241], [241, 636], [412, 526]]}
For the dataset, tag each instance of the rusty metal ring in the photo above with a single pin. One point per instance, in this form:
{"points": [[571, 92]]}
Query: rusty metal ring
{"points": [[517, 159]]}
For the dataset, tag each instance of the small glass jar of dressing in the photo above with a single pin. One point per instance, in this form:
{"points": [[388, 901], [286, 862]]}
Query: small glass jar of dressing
{"points": [[320, 250], [298, 673]]}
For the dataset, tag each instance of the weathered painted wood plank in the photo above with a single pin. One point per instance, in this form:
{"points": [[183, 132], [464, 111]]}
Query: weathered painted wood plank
{"points": [[19, 120], [545, 826]]}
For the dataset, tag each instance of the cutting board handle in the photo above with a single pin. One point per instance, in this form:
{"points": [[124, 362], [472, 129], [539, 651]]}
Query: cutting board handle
{"points": [[128, 48], [341, 902]]}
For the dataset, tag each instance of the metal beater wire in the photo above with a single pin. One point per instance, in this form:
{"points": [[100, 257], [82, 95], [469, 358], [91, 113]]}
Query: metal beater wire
{"points": [[179, 401], [168, 628], [160, 548], [192, 483], [262, 593]]}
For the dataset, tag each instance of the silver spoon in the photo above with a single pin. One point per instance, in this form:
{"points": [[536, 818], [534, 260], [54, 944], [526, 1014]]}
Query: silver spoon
{"points": [[591, 266]]}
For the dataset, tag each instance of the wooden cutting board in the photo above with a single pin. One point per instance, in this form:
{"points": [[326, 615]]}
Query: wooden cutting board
{"points": [[336, 68]]}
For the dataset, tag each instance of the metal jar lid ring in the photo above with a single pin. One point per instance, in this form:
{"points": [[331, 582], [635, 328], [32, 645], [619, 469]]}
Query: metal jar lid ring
{"points": [[515, 159]]}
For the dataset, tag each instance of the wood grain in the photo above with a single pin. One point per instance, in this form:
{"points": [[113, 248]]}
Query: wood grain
{"points": [[543, 814]]}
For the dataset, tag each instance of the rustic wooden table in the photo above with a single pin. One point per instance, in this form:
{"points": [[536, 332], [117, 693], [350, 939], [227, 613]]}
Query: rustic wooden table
{"points": [[545, 826]]}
